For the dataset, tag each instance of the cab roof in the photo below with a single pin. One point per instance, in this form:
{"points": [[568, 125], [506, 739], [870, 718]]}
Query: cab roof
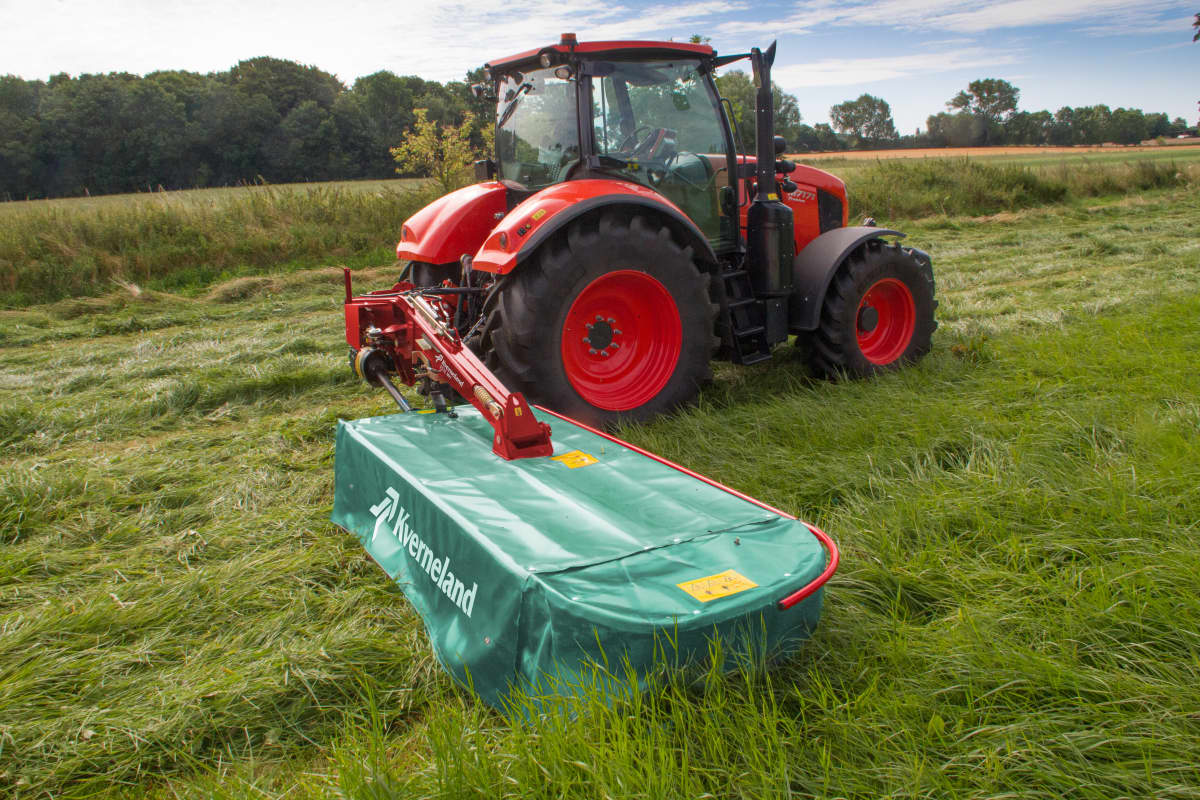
{"points": [[639, 49]]}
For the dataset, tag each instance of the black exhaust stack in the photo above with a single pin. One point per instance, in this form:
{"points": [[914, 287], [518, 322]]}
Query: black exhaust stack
{"points": [[769, 238]]}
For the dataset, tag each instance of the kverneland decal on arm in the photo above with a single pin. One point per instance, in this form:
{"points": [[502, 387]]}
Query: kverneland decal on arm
{"points": [[389, 510]]}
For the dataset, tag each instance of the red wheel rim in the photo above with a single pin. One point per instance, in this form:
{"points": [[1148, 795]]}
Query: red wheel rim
{"points": [[621, 340], [886, 320]]}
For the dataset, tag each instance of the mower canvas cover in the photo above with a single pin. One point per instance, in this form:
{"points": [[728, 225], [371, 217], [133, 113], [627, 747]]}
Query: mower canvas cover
{"points": [[530, 573]]}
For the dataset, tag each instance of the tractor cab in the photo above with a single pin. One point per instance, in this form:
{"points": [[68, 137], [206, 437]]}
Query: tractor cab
{"points": [[645, 112]]}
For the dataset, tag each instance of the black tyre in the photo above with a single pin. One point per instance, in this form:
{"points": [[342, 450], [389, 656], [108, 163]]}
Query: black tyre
{"points": [[610, 321], [422, 273], [877, 314]]}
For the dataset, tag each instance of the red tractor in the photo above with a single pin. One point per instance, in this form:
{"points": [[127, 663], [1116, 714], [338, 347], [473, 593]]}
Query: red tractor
{"points": [[618, 242]]}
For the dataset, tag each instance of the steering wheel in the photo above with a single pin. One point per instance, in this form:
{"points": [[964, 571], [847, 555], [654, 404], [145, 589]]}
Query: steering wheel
{"points": [[630, 142], [647, 147]]}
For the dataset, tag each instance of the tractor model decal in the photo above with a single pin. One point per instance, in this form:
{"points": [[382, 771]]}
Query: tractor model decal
{"points": [[389, 510]]}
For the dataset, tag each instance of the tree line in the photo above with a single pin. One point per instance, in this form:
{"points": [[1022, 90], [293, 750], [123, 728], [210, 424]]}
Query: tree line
{"points": [[268, 119], [986, 113], [264, 119]]}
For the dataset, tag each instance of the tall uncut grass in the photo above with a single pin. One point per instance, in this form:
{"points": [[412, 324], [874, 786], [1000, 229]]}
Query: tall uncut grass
{"points": [[49, 251], [172, 242], [913, 188]]}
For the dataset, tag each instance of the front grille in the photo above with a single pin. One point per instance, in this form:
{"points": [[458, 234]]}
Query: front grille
{"points": [[829, 210]]}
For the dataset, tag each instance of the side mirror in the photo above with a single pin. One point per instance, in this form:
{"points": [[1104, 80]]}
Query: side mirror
{"points": [[485, 169], [780, 145]]}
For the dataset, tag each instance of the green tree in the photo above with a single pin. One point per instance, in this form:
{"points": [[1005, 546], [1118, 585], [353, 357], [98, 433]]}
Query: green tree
{"points": [[992, 100], [1128, 126], [1092, 125], [229, 133], [443, 152], [738, 88], [20, 132], [286, 83], [955, 130], [867, 119], [1025, 127]]}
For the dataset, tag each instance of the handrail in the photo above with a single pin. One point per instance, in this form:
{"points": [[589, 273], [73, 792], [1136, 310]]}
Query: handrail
{"points": [[830, 568]]}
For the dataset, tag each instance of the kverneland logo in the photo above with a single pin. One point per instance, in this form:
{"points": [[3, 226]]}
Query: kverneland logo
{"points": [[389, 510], [443, 366]]}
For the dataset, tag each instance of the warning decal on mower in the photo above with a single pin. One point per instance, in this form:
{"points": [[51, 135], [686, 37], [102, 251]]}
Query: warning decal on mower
{"points": [[722, 584], [575, 458]]}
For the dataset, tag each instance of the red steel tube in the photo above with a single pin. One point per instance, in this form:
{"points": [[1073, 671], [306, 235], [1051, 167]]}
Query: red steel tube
{"points": [[819, 581], [824, 538]]}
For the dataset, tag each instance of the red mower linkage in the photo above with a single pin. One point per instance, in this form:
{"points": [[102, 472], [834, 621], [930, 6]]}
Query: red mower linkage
{"points": [[408, 331]]}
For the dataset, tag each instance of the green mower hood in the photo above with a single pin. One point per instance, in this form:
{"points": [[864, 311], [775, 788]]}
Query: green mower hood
{"points": [[540, 573]]}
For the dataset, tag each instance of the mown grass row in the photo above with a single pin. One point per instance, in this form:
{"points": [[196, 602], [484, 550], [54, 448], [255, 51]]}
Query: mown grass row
{"points": [[1013, 616], [176, 242]]}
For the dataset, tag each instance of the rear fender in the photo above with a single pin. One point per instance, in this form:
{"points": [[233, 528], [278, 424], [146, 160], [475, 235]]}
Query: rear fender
{"points": [[526, 227], [453, 225], [814, 268]]}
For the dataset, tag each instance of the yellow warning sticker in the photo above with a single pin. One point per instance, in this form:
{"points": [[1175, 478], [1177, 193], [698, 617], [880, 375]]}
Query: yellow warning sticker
{"points": [[541, 212], [575, 458], [722, 584]]}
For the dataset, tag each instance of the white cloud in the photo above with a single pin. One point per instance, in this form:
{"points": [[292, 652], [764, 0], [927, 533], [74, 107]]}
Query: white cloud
{"points": [[1096, 17], [438, 40], [847, 71]]}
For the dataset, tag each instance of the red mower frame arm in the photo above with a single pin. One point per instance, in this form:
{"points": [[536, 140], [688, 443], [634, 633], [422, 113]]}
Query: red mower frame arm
{"points": [[830, 547], [408, 332]]}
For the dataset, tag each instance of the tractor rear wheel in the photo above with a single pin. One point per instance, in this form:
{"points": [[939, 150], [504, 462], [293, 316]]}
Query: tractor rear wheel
{"points": [[877, 314], [608, 322]]}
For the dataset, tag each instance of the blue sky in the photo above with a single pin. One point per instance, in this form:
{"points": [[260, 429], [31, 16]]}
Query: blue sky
{"points": [[915, 54]]}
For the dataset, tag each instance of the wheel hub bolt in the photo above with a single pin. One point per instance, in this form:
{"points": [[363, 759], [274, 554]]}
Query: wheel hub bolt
{"points": [[592, 350]]}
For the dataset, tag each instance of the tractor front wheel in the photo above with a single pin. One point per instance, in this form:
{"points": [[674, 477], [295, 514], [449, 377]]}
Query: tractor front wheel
{"points": [[877, 314], [422, 273], [609, 322]]}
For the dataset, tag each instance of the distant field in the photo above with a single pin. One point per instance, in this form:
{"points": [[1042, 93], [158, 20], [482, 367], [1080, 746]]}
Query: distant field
{"points": [[1030, 151]]}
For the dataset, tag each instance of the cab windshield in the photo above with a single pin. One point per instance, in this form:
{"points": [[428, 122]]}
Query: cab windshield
{"points": [[658, 123], [537, 139]]}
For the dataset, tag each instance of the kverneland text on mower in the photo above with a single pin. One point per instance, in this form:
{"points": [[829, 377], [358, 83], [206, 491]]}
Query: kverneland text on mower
{"points": [[616, 244]]}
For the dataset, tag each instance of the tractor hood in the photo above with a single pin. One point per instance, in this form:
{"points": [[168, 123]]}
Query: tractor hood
{"points": [[451, 226]]}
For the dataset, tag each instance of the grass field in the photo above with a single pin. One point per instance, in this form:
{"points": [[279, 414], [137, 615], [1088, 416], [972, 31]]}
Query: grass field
{"points": [[1017, 614]]}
